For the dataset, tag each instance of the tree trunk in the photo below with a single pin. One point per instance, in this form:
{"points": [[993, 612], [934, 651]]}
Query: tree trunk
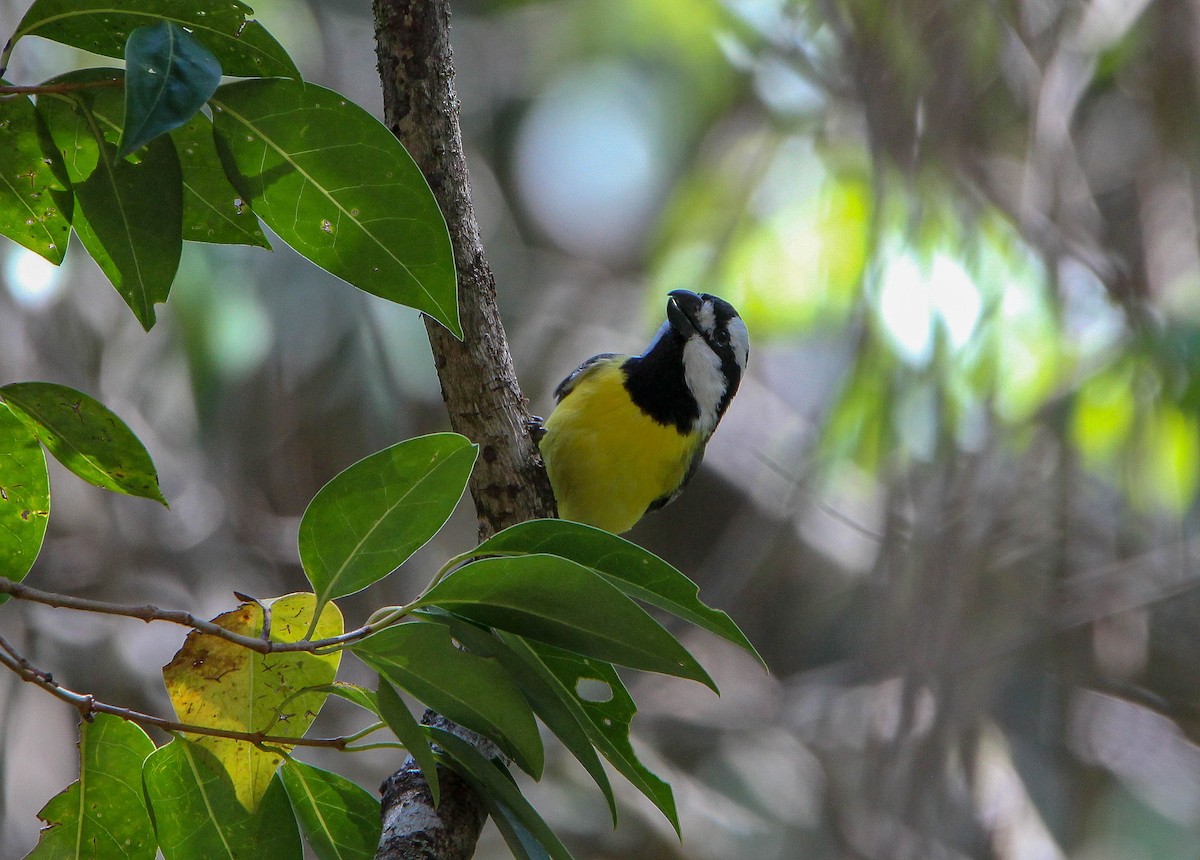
{"points": [[509, 484]]}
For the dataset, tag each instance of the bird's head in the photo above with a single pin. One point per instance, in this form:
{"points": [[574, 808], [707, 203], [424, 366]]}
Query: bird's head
{"points": [[716, 347]]}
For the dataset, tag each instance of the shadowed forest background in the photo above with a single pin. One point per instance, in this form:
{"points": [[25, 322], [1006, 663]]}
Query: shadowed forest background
{"points": [[953, 504]]}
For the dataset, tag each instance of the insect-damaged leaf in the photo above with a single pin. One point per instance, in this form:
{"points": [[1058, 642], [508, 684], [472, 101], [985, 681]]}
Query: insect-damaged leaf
{"points": [[213, 682], [85, 436], [24, 497]]}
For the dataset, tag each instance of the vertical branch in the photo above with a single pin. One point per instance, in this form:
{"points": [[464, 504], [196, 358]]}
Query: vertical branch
{"points": [[479, 386]]}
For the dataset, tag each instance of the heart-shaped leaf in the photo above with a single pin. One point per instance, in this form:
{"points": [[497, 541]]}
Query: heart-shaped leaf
{"points": [[213, 682]]}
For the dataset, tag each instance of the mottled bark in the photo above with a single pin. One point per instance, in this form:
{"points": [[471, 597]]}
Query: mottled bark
{"points": [[484, 402]]}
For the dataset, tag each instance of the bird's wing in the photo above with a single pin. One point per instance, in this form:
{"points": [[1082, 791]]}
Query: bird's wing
{"points": [[564, 387]]}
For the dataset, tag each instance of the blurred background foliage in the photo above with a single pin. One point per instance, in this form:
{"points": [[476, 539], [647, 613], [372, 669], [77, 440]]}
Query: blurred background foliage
{"points": [[954, 503]]}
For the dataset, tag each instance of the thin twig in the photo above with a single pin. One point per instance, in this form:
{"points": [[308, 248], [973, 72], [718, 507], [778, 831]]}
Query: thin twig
{"points": [[148, 612], [87, 705], [43, 89]]}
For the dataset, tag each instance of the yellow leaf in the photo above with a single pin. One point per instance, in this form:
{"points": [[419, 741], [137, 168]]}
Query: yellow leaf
{"points": [[213, 682]]}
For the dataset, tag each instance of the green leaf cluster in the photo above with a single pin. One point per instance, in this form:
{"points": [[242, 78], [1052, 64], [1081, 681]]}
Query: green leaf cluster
{"points": [[515, 631], [137, 161]]}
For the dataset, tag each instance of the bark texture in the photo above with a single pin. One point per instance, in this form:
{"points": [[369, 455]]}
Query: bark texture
{"points": [[484, 402], [479, 385]]}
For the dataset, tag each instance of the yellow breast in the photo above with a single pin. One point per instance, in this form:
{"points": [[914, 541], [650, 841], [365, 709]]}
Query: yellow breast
{"points": [[607, 460]]}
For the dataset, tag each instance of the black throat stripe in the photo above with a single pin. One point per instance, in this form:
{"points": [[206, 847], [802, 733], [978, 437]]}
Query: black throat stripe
{"points": [[656, 384]]}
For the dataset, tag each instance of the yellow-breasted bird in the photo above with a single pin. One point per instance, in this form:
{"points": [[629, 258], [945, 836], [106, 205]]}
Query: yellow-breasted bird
{"points": [[629, 431]]}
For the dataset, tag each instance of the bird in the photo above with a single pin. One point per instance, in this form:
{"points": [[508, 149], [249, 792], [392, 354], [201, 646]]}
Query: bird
{"points": [[628, 431]]}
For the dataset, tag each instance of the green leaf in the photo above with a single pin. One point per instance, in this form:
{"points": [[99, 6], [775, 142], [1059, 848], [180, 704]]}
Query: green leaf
{"points": [[339, 819], [521, 842], [241, 44], [24, 497], [352, 693], [495, 785], [338, 187], [86, 437], [129, 215], [213, 211], [605, 719], [566, 604], [35, 204], [103, 816], [198, 816], [474, 692], [408, 731], [626, 565], [540, 691], [79, 121], [369, 519], [134, 224], [168, 78]]}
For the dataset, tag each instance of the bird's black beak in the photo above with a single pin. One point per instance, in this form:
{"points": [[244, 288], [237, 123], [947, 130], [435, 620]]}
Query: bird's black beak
{"points": [[682, 308]]}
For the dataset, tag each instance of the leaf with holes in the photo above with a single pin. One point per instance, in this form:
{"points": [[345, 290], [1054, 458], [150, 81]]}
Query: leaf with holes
{"points": [[213, 682], [242, 45], [339, 819], [606, 718], [24, 497], [473, 691], [198, 816], [168, 78], [86, 437], [555, 600], [103, 815], [626, 565], [35, 206], [369, 519], [338, 187], [543, 695]]}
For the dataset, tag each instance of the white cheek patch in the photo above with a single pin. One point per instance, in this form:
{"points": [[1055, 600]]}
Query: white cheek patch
{"points": [[739, 339], [706, 318], [702, 372]]}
